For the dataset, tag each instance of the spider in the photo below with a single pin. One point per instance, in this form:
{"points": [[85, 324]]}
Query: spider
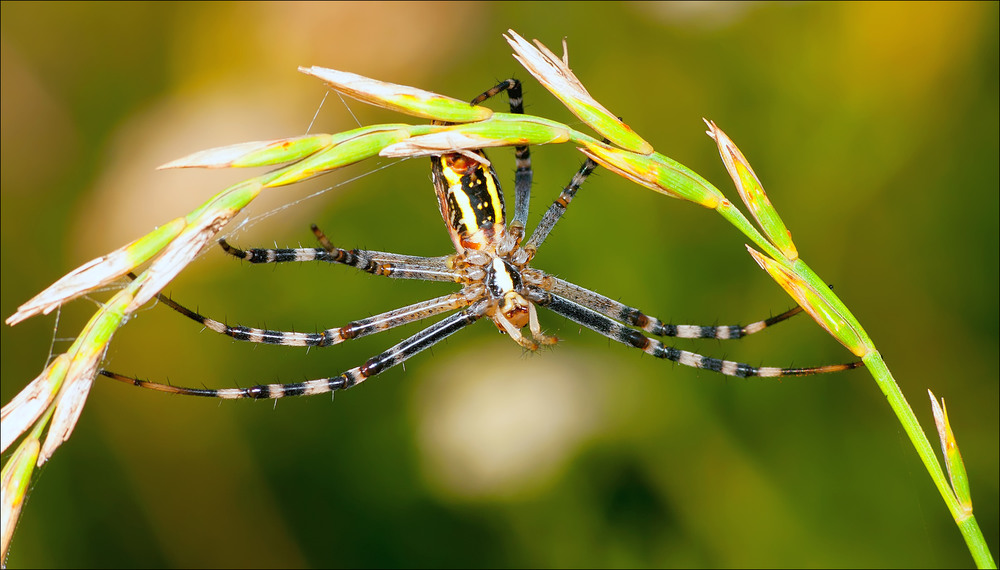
{"points": [[492, 264]]}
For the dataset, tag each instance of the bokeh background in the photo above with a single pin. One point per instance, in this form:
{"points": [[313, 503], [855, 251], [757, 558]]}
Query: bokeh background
{"points": [[874, 128]]}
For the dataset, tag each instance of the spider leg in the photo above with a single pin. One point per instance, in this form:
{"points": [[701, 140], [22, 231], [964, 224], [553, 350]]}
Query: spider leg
{"points": [[328, 337], [375, 262], [558, 207], [392, 265], [372, 367], [630, 337], [636, 318], [536, 328], [515, 333]]}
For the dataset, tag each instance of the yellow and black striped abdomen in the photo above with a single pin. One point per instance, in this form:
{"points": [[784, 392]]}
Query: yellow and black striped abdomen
{"points": [[471, 201]]}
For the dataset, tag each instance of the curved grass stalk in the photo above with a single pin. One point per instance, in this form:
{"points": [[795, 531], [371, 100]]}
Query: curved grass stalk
{"points": [[780, 260]]}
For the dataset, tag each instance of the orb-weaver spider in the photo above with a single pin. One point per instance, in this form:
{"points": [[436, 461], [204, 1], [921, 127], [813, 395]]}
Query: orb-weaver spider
{"points": [[493, 267]]}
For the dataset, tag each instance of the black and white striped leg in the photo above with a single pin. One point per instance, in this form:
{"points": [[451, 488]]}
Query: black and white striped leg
{"points": [[328, 337], [375, 262], [558, 208], [630, 337], [636, 318], [374, 366]]}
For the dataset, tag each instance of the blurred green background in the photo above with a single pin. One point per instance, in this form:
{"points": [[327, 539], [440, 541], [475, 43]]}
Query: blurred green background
{"points": [[874, 128]]}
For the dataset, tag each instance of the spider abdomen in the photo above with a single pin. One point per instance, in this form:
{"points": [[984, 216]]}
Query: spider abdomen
{"points": [[471, 200]]}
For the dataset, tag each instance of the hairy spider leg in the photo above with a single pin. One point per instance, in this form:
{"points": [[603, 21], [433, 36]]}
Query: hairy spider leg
{"points": [[372, 367], [636, 318], [558, 207], [619, 332]]}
